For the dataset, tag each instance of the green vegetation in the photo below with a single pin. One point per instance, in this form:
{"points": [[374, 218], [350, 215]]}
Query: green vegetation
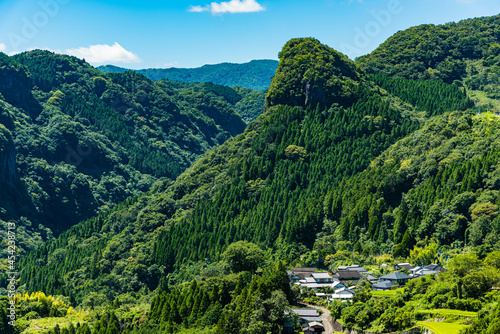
{"points": [[75, 142], [454, 296], [255, 74], [466, 53], [416, 92], [488, 322], [427, 185], [430, 51], [442, 327], [388, 293], [445, 312], [343, 167], [235, 303], [311, 73], [270, 186]]}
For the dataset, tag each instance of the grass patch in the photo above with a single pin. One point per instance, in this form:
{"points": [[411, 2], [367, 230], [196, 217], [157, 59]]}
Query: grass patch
{"points": [[442, 327], [445, 312], [388, 293], [485, 102], [42, 325]]}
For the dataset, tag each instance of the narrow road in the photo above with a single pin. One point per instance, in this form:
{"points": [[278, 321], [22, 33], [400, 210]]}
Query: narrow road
{"points": [[326, 317]]}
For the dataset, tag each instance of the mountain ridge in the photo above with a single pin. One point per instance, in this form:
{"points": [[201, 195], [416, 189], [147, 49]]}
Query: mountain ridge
{"points": [[255, 74], [75, 141], [392, 169]]}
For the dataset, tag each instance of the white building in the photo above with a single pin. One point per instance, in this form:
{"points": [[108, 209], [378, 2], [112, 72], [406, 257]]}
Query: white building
{"points": [[343, 294]]}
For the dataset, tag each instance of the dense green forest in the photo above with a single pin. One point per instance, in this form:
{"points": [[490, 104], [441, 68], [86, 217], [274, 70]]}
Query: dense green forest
{"points": [[267, 186], [75, 141], [351, 162], [255, 74], [465, 53]]}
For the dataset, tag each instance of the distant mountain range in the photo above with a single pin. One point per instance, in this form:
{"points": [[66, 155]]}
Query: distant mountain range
{"points": [[256, 74]]}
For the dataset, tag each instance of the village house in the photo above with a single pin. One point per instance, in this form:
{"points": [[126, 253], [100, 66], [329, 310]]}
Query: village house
{"points": [[396, 278], [383, 286], [348, 275], [306, 318], [322, 277], [372, 279], [307, 278], [354, 267], [337, 285], [419, 272], [343, 294], [400, 266], [300, 273], [322, 280], [435, 267], [306, 315], [314, 327]]}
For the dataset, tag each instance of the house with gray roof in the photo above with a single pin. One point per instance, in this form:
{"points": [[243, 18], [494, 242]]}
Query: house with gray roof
{"points": [[396, 278], [322, 277], [383, 286], [307, 315], [300, 273], [405, 265], [348, 275]]}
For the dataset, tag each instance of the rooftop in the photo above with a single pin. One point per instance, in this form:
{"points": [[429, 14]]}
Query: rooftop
{"points": [[305, 312], [395, 276], [348, 275], [315, 324], [304, 269], [321, 275], [344, 290], [310, 280], [383, 285]]}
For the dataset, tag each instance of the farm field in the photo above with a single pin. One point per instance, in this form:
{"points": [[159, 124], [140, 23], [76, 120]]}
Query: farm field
{"points": [[442, 327], [449, 312]]}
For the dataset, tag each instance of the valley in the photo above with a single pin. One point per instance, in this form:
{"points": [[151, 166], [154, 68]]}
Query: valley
{"points": [[368, 189]]}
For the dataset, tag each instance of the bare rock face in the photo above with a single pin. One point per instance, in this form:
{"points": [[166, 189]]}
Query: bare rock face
{"points": [[8, 170], [16, 85]]}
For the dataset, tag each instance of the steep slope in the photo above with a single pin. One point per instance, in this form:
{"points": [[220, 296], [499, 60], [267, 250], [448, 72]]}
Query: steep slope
{"points": [[441, 182], [248, 103], [76, 141], [15, 85], [324, 172], [466, 52], [266, 186], [255, 74], [310, 73]]}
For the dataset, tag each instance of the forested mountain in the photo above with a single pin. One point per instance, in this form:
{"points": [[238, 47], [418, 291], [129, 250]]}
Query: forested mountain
{"points": [[465, 53], [361, 160], [75, 141], [267, 185], [255, 74]]}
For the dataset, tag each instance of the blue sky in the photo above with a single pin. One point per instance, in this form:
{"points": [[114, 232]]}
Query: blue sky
{"points": [[191, 33]]}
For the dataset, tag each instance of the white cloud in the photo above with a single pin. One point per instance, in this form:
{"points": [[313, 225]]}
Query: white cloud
{"points": [[232, 7], [3, 47], [199, 9], [103, 53]]}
